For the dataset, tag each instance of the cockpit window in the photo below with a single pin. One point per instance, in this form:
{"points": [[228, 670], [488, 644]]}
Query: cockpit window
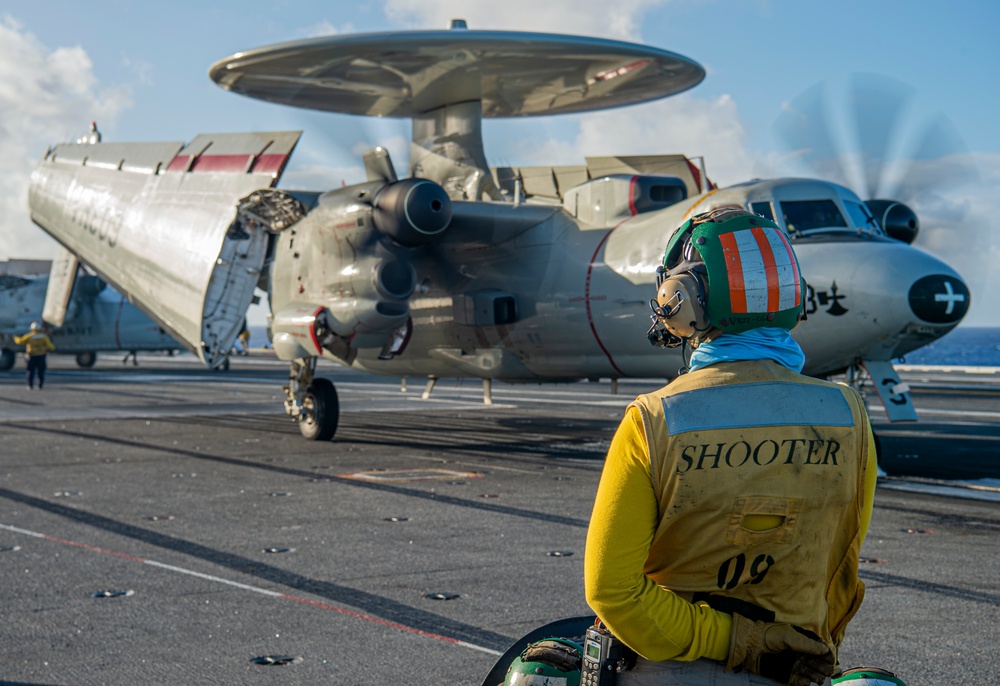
{"points": [[763, 209], [807, 215], [861, 215]]}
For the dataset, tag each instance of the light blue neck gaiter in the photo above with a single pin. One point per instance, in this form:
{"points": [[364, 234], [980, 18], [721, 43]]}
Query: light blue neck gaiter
{"points": [[768, 343]]}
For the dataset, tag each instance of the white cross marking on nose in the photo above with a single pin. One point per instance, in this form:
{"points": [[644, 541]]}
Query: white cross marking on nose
{"points": [[951, 297]]}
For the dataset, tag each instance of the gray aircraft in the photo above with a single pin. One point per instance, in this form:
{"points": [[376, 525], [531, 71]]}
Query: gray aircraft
{"points": [[97, 320], [520, 274]]}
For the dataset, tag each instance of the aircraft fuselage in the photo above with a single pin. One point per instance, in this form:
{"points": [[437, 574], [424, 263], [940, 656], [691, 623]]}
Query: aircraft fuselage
{"points": [[552, 297], [99, 319]]}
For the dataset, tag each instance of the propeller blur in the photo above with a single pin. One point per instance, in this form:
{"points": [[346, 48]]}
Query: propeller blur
{"points": [[459, 269]]}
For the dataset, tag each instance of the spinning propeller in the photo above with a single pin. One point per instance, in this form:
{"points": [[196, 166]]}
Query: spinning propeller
{"points": [[930, 162]]}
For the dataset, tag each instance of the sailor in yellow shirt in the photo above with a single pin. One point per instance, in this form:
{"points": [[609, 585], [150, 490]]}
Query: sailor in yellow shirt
{"points": [[244, 339], [37, 345], [723, 546]]}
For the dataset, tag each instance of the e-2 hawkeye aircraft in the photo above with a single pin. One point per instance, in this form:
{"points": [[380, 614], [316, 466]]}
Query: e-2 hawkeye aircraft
{"points": [[522, 274], [98, 319]]}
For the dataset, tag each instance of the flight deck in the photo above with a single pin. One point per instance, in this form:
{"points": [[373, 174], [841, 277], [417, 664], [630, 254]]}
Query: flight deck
{"points": [[164, 523]]}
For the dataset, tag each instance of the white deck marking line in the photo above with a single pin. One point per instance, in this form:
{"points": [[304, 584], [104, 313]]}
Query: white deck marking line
{"points": [[255, 589]]}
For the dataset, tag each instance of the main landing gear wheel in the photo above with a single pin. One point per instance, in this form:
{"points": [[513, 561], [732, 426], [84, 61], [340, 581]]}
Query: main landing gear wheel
{"points": [[86, 360], [321, 411], [6, 359]]}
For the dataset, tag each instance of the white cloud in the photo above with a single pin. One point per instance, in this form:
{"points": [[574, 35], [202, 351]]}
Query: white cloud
{"points": [[959, 224], [326, 28], [142, 69], [619, 20], [320, 177], [46, 96], [682, 124]]}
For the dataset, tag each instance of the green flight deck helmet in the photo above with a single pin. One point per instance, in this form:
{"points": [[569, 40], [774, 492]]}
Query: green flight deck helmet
{"points": [[867, 676], [549, 662], [725, 271]]}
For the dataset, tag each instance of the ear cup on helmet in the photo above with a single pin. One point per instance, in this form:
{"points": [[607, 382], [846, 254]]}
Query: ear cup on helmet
{"points": [[682, 300]]}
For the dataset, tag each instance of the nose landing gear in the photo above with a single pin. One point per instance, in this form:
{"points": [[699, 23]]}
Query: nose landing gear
{"points": [[311, 402]]}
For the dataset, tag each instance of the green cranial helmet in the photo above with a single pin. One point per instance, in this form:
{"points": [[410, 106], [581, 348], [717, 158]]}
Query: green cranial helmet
{"points": [[727, 271], [550, 662], [867, 676]]}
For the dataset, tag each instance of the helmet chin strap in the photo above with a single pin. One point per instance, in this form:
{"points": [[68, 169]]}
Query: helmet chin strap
{"points": [[686, 357]]}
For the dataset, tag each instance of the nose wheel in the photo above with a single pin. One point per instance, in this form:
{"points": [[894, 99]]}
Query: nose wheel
{"points": [[312, 402], [320, 411]]}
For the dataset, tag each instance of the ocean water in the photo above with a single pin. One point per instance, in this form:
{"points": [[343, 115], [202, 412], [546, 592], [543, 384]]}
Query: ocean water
{"points": [[963, 347]]}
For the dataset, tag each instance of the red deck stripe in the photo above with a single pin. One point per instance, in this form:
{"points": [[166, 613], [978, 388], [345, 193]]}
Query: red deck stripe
{"points": [[92, 548], [369, 618], [283, 596]]}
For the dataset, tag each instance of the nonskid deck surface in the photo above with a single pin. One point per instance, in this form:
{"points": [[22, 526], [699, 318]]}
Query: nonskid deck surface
{"points": [[413, 548]]}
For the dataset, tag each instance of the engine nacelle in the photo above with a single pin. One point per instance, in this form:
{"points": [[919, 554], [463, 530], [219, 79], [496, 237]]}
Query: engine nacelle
{"points": [[380, 288], [302, 330], [896, 219], [295, 331], [344, 257], [412, 212]]}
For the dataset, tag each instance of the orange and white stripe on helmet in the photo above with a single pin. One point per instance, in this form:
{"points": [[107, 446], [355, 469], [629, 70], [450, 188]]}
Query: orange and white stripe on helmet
{"points": [[762, 271]]}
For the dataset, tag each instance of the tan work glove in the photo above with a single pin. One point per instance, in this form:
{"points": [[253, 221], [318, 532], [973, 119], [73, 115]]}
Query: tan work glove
{"points": [[779, 651]]}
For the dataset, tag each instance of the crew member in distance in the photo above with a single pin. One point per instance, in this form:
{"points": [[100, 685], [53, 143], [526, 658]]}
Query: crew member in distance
{"points": [[37, 346]]}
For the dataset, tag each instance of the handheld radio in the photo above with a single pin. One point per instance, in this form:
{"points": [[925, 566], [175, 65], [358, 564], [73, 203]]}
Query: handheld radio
{"points": [[603, 657]]}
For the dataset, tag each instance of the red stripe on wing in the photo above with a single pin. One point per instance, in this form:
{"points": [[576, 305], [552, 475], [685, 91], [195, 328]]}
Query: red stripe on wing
{"points": [[179, 163], [245, 163], [269, 164], [232, 164]]}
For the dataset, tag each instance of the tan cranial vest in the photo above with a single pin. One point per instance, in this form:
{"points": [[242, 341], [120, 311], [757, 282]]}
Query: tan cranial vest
{"points": [[755, 439]]}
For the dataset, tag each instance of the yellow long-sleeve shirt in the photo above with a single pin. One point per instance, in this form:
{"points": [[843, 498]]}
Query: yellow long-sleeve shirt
{"points": [[662, 625], [35, 343]]}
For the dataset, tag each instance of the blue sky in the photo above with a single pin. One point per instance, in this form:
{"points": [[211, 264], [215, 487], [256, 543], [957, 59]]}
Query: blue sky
{"points": [[140, 70]]}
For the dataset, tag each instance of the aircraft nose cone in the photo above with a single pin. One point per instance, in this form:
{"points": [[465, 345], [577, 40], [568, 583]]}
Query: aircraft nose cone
{"points": [[939, 299]]}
